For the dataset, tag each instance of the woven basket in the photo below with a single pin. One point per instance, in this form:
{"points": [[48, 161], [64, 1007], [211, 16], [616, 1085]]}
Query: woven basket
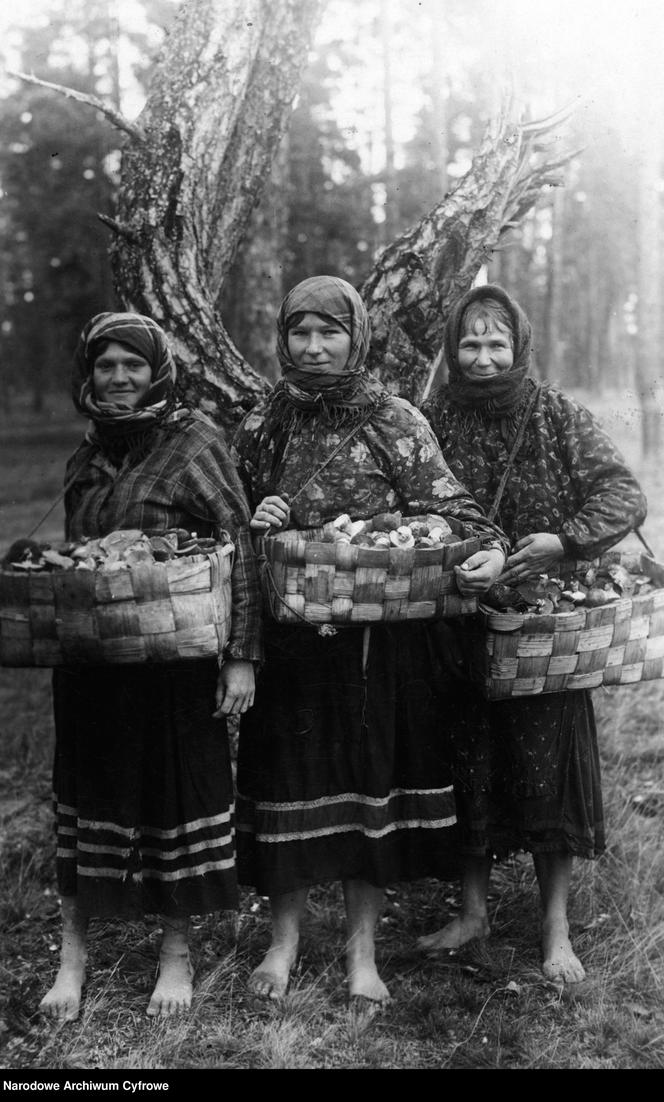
{"points": [[515, 654], [308, 581], [162, 612]]}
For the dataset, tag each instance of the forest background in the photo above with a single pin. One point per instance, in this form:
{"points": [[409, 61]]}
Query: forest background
{"points": [[394, 100]]}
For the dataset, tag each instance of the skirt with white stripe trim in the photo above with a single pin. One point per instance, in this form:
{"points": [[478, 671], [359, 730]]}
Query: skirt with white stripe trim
{"points": [[143, 791], [344, 762]]}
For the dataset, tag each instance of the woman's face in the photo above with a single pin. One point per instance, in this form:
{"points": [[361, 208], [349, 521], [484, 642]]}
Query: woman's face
{"points": [[121, 376], [485, 349], [318, 343]]}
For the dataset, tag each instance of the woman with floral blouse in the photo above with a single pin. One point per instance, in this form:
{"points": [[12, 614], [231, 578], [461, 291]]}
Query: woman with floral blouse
{"points": [[527, 774], [342, 770]]}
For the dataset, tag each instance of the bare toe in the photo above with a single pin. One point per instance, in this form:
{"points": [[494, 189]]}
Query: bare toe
{"points": [[560, 962], [270, 979], [268, 984], [364, 983], [174, 988], [456, 933], [62, 1002]]}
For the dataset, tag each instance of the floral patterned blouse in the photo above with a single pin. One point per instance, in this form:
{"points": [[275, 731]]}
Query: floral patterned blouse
{"points": [[568, 477], [393, 462]]}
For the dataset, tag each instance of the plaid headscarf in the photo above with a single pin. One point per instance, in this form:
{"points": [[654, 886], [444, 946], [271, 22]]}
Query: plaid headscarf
{"points": [[500, 394], [339, 400], [144, 337], [328, 297]]}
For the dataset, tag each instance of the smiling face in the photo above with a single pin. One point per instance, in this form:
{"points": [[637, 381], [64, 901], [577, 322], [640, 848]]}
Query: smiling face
{"points": [[317, 343], [121, 376], [485, 348]]}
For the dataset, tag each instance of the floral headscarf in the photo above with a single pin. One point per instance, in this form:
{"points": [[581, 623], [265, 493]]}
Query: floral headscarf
{"points": [[144, 337]]}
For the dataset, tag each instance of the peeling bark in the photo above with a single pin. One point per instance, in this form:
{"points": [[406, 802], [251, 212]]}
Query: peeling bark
{"points": [[194, 168], [423, 271], [217, 108]]}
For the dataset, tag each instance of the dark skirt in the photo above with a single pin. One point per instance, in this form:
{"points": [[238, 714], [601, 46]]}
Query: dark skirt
{"points": [[143, 791], [527, 774], [344, 768]]}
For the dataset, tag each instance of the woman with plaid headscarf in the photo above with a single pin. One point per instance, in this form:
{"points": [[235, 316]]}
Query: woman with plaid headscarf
{"points": [[342, 773], [143, 786]]}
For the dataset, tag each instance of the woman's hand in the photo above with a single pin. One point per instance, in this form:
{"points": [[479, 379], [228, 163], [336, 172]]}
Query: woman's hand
{"points": [[535, 554], [479, 572], [235, 688], [273, 512]]}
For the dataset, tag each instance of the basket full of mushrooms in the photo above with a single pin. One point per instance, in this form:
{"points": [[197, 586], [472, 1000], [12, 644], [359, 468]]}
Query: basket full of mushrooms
{"points": [[124, 598], [595, 623], [388, 567]]}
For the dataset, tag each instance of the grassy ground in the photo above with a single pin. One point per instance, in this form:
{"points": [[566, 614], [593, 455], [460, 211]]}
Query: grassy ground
{"points": [[487, 1006]]}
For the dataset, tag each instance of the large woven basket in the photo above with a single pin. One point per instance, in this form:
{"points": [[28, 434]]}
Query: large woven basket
{"points": [[162, 612], [309, 581], [514, 654]]}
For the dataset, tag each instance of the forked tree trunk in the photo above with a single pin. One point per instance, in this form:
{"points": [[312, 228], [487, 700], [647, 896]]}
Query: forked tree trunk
{"points": [[194, 168]]}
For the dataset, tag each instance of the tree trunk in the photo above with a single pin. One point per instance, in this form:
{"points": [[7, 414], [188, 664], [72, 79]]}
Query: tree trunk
{"points": [[648, 362], [423, 271], [195, 166], [255, 287], [391, 205], [553, 330], [217, 108]]}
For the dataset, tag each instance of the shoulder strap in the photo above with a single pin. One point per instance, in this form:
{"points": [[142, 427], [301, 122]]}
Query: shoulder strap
{"points": [[342, 444], [67, 486], [521, 432]]}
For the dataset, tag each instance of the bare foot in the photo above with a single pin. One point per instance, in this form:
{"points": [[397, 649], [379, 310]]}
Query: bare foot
{"points": [[560, 963], [270, 979], [456, 933], [365, 983], [174, 987], [63, 1001]]}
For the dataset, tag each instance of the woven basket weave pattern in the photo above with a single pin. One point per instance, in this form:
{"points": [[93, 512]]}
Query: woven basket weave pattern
{"points": [[162, 612], [616, 644], [337, 583]]}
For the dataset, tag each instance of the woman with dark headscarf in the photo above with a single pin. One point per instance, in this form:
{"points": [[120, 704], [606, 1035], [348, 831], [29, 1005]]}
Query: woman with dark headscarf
{"points": [[142, 780], [527, 774], [342, 772]]}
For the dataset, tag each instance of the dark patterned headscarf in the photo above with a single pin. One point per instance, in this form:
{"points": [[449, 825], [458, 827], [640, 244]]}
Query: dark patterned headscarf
{"points": [[144, 337], [337, 399], [501, 394]]}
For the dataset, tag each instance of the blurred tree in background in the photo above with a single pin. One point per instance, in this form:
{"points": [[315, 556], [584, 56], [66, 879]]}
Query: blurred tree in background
{"points": [[392, 108], [58, 171]]}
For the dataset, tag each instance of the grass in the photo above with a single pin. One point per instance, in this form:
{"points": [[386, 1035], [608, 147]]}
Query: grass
{"points": [[487, 1006]]}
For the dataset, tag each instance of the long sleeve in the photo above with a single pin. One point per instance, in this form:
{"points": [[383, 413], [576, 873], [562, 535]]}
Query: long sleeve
{"points": [[567, 478], [213, 484], [611, 502]]}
